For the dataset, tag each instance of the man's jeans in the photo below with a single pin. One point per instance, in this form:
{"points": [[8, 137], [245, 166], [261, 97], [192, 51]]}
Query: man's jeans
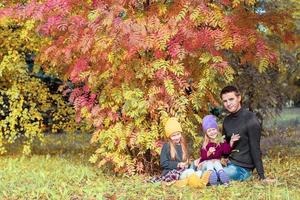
{"points": [[237, 173]]}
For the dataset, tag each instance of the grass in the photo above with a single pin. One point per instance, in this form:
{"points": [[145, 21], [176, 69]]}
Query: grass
{"points": [[288, 118], [59, 169], [70, 176], [53, 177]]}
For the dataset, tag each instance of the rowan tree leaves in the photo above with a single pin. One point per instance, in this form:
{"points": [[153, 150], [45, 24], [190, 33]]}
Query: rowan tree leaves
{"points": [[132, 63]]}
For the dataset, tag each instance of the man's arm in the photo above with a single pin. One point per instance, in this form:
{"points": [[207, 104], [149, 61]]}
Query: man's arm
{"points": [[254, 134]]}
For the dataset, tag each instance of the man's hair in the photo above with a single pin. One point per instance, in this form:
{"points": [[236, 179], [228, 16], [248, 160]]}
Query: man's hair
{"points": [[230, 88]]}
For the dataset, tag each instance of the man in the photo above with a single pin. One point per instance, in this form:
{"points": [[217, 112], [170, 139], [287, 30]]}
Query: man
{"points": [[246, 154]]}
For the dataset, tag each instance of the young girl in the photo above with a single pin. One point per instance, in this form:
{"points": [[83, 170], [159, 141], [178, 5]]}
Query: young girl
{"points": [[174, 156], [212, 151], [174, 159]]}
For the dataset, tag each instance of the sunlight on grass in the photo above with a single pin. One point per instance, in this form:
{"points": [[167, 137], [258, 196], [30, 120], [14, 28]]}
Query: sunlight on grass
{"points": [[60, 170], [54, 177]]}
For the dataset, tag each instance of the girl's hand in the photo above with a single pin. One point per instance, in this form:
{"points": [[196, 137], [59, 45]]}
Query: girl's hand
{"points": [[196, 162], [199, 165], [182, 165], [211, 150], [224, 161], [234, 138]]}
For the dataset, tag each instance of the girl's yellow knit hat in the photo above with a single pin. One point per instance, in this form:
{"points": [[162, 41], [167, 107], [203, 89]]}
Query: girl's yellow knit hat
{"points": [[172, 126]]}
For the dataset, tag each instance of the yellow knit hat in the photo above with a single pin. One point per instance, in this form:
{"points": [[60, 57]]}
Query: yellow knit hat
{"points": [[172, 126]]}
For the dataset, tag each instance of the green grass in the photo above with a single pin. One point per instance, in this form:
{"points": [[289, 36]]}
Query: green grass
{"points": [[68, 175], [59, 169], [288, 118]]}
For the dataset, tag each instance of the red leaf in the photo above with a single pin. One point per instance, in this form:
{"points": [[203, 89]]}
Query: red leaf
{"points": [[79, 66]]}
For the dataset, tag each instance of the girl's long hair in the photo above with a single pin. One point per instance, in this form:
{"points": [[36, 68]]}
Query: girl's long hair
{"points": [[183, 146], [207, 140]]}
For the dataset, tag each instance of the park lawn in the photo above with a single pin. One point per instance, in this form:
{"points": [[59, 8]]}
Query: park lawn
{"points": [[288, 118], [70, 176], [59, 169]]}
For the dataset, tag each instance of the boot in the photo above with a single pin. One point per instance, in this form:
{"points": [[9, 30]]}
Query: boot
{"points": [[181, 183], [197, 182], [223, 177], [213, 178]]}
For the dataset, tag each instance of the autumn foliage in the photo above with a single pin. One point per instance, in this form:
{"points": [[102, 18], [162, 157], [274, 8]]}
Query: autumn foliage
{"points": [[136, 62], [28, 109]]}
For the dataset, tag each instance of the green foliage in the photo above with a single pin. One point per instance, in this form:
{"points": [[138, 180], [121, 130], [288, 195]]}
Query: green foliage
{"points": [[27, 108]]}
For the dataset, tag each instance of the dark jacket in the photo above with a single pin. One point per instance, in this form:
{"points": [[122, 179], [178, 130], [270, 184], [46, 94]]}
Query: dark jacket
{"points": [[246, 151], [166, 163]]}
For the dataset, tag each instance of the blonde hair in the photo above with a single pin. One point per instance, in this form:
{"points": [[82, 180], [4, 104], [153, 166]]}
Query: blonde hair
{"points": [[173, 151], [207, 139]]}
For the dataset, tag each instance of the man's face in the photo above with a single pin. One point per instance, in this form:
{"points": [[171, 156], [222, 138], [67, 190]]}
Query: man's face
{"points": [[231, 102]]}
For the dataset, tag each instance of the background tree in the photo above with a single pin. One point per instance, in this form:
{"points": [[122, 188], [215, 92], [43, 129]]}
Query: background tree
{"points": [[135, 63], [28, 109], [266, 93]]}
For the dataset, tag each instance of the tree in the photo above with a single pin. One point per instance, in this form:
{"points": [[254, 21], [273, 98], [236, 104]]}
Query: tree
{"points": [[27, 107], [135, 63], [266, 93]]}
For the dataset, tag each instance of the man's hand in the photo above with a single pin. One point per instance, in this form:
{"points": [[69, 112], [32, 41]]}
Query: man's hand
{"points": [[268, 180]]}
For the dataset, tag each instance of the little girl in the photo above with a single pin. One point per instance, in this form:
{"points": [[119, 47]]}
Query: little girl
{"points": [[212, 151], [174, 159]]}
